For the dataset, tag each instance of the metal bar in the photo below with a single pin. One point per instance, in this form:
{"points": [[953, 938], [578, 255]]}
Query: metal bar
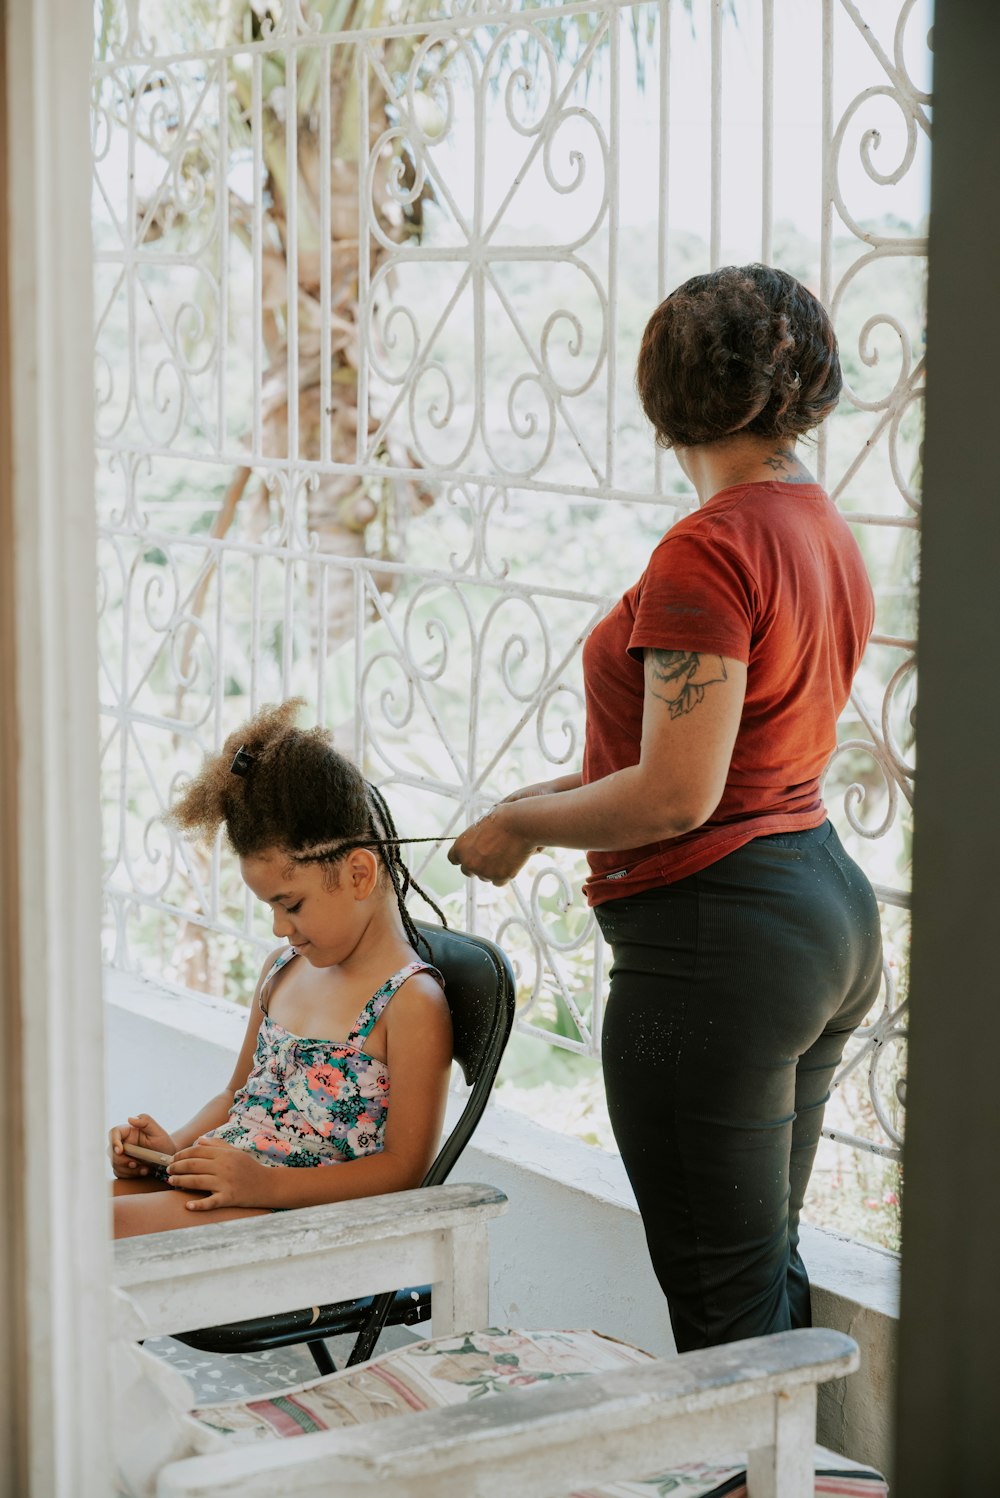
{"points": [[663, 191], [325, 288], [292, 269], [426, 26], [663, 162], [257, 240], [826, 209], [767, 135], [364, 252], [715, 228], [224, 249], [613, 190]]}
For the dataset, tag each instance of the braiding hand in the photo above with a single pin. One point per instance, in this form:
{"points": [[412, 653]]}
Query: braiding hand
{"points": [[487, 850], [231, 1177]]}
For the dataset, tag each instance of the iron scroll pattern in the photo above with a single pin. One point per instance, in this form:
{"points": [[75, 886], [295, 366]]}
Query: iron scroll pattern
{"points": [[486, 389]]}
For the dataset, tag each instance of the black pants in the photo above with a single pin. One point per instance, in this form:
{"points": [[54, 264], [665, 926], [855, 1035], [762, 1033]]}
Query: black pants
{"points": [[733, 994]]}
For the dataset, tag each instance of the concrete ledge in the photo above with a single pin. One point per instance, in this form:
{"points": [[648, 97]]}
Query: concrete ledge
{"points": [[571, 1251]]}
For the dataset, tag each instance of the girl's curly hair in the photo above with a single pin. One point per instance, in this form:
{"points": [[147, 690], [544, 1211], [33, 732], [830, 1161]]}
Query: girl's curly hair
{"points": [[746, 348], [291, 790]]}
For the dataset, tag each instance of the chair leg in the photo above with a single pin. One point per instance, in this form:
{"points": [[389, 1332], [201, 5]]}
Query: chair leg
{"points": [[321, 1357], [369, 1334]]}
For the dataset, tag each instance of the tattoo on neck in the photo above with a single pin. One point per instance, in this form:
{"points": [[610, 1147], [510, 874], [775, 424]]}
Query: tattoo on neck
{"points": [[787, 467], [679, 677]]}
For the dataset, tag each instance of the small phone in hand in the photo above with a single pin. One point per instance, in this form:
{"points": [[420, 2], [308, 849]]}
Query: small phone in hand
{"points": [[150, 1157]]}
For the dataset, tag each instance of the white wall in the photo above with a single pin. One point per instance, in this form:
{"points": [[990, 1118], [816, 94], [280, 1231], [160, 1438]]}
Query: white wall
{"points": [[570, 1251], [54, 1249]]}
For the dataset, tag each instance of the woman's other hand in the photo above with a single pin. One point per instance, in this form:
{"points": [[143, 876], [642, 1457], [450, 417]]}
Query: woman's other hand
{"points": [[546, 788], [488, 850], [139, 1130], [230, 1176]]}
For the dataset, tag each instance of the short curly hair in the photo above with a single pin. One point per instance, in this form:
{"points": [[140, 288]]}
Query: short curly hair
{"points": [[297, 790], [274, 786], [746, 348]]}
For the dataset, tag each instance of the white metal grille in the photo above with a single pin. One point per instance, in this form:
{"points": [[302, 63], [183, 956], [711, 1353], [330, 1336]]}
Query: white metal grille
{"points": [[375, 442]]}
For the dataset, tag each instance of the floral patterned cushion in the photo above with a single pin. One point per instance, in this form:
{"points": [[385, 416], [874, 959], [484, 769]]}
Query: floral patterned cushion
{"points": [[453, 1370]]}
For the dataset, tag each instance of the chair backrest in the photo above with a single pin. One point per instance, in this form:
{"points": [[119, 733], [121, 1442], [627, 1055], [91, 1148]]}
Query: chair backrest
{"points": [[479, 987]]}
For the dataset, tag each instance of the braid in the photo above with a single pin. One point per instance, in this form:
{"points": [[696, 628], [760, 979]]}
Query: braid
{"points": [[382, 836], [402, 879]]}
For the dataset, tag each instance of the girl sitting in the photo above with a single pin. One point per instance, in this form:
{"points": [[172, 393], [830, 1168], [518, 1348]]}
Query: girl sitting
{"points": [[343, 1006]]}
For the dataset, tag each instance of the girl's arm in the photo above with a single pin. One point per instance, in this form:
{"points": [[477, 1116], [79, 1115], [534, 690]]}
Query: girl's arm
{"points": [[419, 1050], [144, 1130], [691, 714]]}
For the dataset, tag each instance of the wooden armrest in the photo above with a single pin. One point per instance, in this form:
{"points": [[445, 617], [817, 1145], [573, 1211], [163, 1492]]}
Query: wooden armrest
{"points": [[195, 1277], [752, 1396]]}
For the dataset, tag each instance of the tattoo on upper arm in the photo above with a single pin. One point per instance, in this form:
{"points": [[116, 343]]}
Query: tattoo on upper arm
{"points": [[679, 677]]}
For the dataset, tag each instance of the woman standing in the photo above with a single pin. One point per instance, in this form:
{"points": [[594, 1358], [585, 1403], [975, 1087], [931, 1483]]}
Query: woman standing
{"points": [[746, 942]]}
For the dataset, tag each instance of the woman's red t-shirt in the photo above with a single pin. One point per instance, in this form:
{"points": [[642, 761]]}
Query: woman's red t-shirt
{"points": [[768, 574]]}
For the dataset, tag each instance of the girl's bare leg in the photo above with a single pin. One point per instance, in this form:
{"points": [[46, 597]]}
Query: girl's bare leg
{"points": [[155, 1207], [137, 1186]]}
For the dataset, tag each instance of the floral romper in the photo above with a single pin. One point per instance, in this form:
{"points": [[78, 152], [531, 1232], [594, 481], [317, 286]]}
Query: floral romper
{"points": [[314, 1102]]}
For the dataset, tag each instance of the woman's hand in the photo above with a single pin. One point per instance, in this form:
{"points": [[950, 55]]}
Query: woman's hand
{"points": [[546, 787], [139, 1130], [489, 851], [231, 1177]]}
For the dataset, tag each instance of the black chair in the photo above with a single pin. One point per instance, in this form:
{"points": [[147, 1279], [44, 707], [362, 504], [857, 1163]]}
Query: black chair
{"points": [[479, 987]]}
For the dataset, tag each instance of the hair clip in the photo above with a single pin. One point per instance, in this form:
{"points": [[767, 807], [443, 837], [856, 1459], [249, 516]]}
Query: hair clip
{"points": [[242, 760]]}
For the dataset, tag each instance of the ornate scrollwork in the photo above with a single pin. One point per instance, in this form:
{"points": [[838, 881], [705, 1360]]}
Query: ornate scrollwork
{"points": [[402, 340], [477, 355]]}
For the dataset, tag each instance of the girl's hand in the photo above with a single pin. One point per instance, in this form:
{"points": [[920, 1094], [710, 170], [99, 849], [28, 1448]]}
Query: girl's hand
{"points": [[489, 851], [139, 1130], [231, 1177]]}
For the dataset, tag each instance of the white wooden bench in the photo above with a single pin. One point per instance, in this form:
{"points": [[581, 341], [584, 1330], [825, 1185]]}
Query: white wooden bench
{"points": [[758, 1396], [207, 1276]]}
